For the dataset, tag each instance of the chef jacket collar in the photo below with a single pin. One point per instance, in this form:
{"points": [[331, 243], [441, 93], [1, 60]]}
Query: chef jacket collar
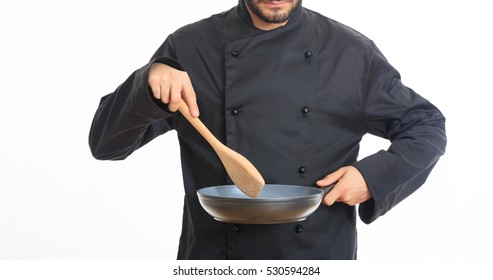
{"points": [[245, 15]]}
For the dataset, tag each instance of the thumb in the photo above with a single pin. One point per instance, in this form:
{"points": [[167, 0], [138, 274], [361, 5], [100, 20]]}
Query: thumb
{"points": [[331, 178]]}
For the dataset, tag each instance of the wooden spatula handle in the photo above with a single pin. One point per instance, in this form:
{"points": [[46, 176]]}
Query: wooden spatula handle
{"points": [[199, 126]]}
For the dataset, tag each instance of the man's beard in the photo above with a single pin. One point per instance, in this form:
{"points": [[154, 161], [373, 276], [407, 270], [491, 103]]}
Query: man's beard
{"points": [[277, 17]]}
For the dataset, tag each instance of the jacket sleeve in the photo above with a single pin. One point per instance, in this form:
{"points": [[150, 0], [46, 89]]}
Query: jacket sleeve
{"points": [[415, 127], [130, 117]]}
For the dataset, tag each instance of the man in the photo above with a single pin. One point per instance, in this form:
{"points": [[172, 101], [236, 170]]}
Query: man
{"points": [[294, 92]]}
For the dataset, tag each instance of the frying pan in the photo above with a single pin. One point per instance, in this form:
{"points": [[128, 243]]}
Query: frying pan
{"points": [[275, 204]]}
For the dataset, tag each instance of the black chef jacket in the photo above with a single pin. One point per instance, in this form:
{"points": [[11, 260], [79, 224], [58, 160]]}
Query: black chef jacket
{"points": [[295, 101]]}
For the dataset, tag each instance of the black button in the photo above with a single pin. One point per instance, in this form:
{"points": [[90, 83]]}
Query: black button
{"points": [[308, 54], [234, 112], [302, 170], [299, 229], [235, 53], [236, 228], [305, 110]]}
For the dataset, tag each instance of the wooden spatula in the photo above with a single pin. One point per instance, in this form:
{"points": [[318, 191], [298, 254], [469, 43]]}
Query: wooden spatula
{"points": [[241, 171]]}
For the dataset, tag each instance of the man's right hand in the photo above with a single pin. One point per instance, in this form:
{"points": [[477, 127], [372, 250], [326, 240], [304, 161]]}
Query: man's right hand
{"points": [[171, 86]]}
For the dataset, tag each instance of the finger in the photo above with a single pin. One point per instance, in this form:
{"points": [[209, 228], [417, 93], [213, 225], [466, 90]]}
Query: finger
{"points": [[190, 98], [333, 195], [154, 80], [156, 91], [155, 87], [165, 89], [174, 97]]}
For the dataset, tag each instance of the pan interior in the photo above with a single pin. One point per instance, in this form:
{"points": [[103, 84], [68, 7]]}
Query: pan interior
{"points": [[269, 192]]}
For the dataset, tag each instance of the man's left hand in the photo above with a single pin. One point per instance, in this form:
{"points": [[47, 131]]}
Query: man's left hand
{"points": [[350, 189]]}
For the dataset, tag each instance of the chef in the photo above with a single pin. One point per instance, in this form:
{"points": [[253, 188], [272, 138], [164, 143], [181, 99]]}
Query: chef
{"points": [[294, 92]]}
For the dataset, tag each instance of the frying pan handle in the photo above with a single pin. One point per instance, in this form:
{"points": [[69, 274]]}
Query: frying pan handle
{"points": [[327, 189]]}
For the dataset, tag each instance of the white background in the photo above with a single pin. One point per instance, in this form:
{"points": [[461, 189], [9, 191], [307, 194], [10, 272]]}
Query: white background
{"points": [[58, 58]]}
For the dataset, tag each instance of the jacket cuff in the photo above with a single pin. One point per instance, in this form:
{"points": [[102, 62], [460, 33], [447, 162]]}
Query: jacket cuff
{"points": [[375, 207], [168, 61]]}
